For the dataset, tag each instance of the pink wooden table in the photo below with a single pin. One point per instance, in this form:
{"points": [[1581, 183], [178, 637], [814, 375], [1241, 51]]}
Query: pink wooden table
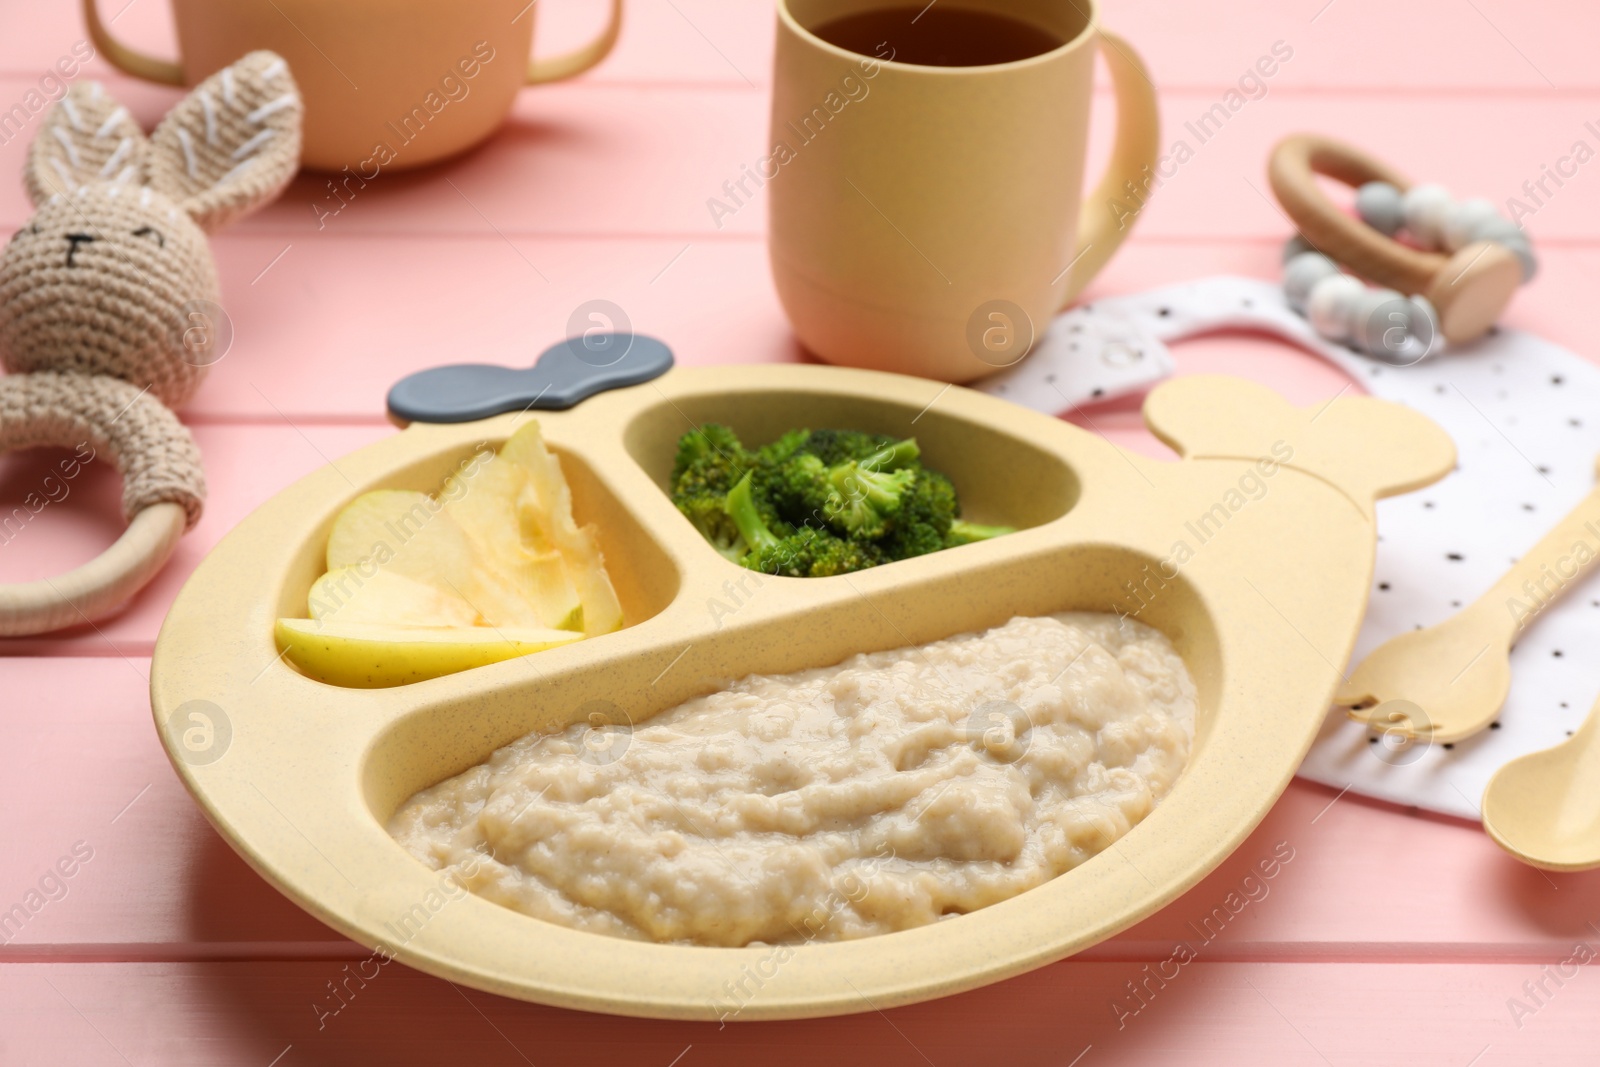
{"points": [[1387, 937]]}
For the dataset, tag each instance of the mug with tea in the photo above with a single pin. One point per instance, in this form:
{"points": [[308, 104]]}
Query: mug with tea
{"points": [[388, 84], [926, 173]]}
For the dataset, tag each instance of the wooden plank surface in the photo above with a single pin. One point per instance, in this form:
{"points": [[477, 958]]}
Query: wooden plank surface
{"points": [[1389, 937], [1073, 1013]]}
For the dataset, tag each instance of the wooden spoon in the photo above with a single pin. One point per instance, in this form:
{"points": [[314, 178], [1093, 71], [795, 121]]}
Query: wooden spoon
{"points": [[1544, 808], [1459, 671]]}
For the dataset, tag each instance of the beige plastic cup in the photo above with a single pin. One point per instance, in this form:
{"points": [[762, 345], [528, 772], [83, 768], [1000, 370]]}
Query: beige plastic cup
{"points": [[929, 220], [388, 84]]}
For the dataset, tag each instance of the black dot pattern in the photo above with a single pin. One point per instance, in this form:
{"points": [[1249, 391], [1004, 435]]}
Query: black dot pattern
{"points": [[1522, 414]]}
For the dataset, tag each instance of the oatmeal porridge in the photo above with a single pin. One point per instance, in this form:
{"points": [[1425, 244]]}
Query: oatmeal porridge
{"points": [[889, 791]]}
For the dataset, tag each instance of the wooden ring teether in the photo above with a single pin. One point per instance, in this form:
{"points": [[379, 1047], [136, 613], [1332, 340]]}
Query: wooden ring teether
{"points": [[100, 586], [109, 421], [1468, 290]]}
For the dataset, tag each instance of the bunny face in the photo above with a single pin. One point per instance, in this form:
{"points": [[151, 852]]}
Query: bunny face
{"points": [[107, 280], [113, 274]]}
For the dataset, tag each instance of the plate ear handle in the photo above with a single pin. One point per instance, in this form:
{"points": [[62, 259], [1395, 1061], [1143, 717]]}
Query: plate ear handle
{"points": [[1367, 448]]}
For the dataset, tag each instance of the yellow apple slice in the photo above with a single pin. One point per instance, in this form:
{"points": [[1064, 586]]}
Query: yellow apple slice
{"points": [[368, 592], [602, 612], [372, 656], [489, 504], [377, 524], [412, 534]]}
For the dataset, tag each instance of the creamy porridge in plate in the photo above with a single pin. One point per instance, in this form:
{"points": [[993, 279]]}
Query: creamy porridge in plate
{"points": [[889, 791]]}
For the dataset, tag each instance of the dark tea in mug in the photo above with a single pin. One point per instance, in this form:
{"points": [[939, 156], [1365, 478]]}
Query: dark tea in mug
{"points": [[937, 36]]}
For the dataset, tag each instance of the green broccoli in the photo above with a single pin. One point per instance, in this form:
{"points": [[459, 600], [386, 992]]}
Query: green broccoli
{"points": [[812, 552], [835, 446], [816, 502], [741, 507], [710, 459], [964, 533], [924, 518], [710, 516], [864, 501], [857, 497], [798, 487], [831, 554], [770, 455], [709, 462], [777, 548], [709, 453]]}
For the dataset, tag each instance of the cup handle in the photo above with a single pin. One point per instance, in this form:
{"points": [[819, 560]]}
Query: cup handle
{"points": [[557, 68], [125, 59], [1101, 229]]}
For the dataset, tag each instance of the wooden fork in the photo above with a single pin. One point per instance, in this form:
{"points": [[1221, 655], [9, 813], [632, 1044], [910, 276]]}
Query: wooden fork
{"points": [[1459, 672]]}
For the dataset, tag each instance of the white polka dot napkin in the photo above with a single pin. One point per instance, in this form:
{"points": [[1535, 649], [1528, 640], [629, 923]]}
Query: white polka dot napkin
{"points": [[1525, 416]]}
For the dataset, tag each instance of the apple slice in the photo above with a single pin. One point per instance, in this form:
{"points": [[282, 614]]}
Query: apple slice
{"points": [[413, 535], [552, 514], [377, 524], [490, 504], [367, 592], [373, 656]]}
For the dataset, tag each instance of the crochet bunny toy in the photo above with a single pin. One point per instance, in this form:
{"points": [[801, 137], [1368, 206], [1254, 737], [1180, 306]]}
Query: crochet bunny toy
{"points": [[107, 297]]}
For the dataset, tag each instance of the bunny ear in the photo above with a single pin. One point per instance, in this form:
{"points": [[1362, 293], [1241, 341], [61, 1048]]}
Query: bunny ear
{"points": [[87, 137], [232, 144]]}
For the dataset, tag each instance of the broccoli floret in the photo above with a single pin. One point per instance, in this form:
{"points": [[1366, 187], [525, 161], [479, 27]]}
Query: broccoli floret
{"points": [[798, 488], [856, 497], [863, 501], [836, 446], [934, 498], [812, 552], [775, 547], [964, 533], [772, 475], [816, 502], [710, 517], [758, 524], [831, 554], [894, 456], [710, 461], [924, 518], [771, 455]]}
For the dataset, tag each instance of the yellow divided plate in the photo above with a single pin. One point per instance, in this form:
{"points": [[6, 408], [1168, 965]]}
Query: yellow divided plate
{"points": [[1253, 554]]}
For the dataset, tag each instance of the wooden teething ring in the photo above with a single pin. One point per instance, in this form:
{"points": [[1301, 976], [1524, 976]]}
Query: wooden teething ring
{"points": [[1468, 290], [100, 586], [162, 489]]}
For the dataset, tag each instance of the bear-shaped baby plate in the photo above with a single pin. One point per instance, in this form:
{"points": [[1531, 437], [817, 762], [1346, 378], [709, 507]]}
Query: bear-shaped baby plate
{"points": [[1253, 554]]}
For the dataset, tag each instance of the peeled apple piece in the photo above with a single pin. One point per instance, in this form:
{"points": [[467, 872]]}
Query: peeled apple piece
{"points": [[552, 514], [376, 523], [413, 534], [372, 594], [372, 656], [490, 505], [419, 586]]}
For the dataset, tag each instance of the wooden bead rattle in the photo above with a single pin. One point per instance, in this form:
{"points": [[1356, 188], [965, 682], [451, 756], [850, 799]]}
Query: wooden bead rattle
{"points": [[1467, 289]]}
